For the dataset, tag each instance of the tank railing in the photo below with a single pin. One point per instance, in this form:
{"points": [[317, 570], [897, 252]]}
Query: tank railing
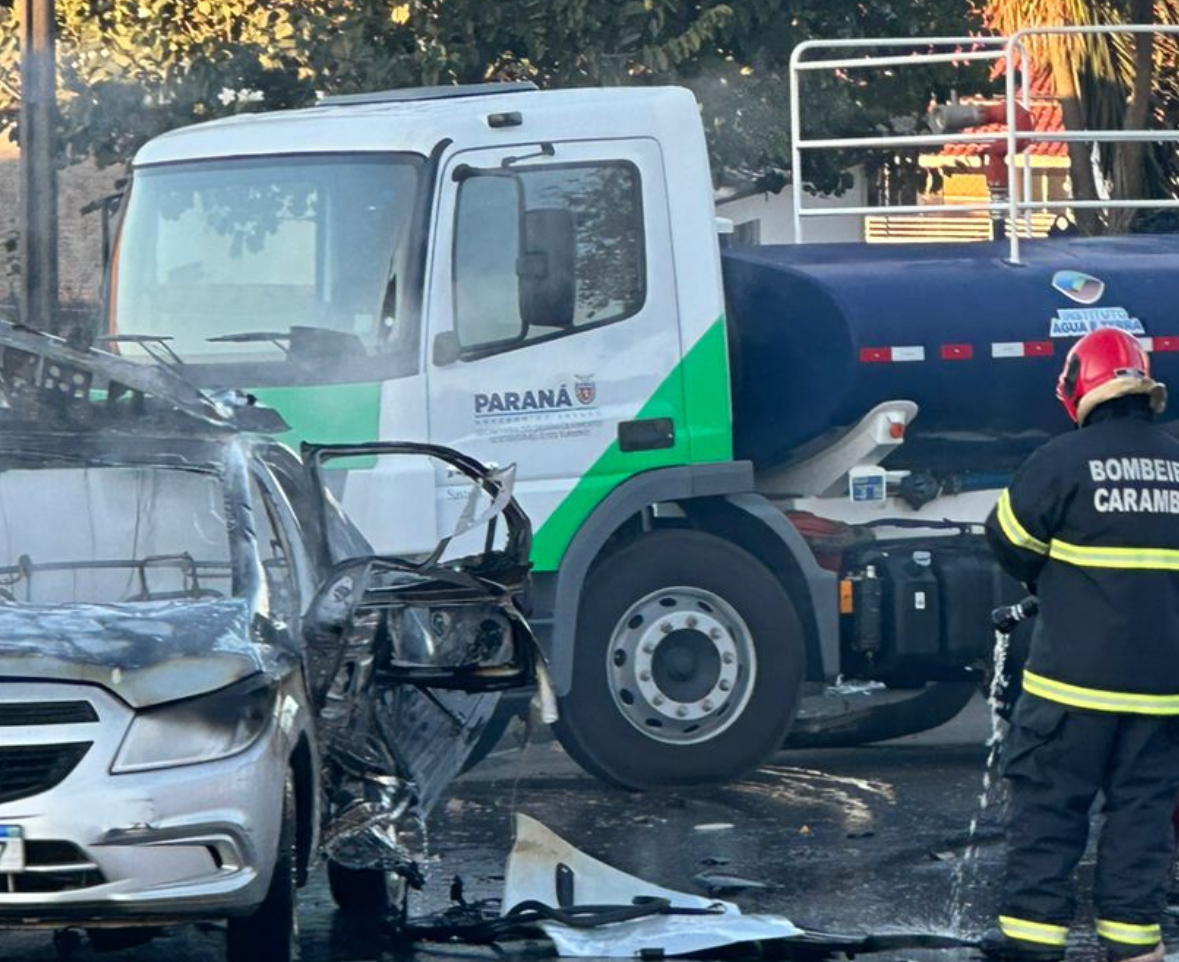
{"points": [[1013, 51], [1141, 135], [995, 49]]}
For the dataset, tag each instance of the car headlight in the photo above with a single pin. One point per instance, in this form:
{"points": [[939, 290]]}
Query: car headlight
{"points": [[201, 729]]}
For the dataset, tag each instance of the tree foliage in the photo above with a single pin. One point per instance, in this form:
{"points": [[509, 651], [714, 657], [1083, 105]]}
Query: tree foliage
{"points": [[130, 69], [1108, 82], [744, 85]]}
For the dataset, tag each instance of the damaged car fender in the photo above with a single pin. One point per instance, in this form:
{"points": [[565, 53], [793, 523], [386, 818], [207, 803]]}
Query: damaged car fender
{"points": [[407, 655]]}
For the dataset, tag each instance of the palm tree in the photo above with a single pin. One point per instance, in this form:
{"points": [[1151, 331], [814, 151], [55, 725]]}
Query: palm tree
{"points": [[1124, 81]]}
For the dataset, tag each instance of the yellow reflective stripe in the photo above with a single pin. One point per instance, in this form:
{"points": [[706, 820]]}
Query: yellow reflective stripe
{"points": [[1015, 532], [1129, 933], [1156, 559], [1031, 931], [1098, 699]]}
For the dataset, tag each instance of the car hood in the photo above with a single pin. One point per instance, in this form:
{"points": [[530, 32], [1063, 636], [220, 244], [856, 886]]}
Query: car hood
{"points": [[146, 653]]}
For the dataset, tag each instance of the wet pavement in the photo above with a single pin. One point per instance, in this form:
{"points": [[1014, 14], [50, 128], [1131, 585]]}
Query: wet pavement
{"points": [[866, 840]]}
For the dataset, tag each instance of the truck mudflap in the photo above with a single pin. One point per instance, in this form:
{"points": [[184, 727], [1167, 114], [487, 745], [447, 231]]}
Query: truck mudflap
{"points": [[841, 716]]}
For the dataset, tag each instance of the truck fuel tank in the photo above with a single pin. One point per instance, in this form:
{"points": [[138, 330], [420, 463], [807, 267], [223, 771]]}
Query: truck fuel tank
{"points": [[919, 608]]}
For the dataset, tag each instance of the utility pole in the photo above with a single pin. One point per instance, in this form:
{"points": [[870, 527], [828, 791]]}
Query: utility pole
{"points": [[38, 164]]}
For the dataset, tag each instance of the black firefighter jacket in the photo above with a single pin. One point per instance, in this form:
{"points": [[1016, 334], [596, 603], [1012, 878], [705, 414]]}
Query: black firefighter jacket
{"points": [[1091, 524]]}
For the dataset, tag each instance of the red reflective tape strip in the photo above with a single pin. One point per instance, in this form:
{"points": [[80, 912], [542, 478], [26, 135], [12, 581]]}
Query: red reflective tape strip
{"points": [[957, 352], [1022, 349], [1164, 344], [885, 355]]}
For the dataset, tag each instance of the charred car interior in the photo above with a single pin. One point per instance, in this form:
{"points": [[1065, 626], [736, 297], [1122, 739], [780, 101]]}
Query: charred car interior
{"points": [[195, 640]]}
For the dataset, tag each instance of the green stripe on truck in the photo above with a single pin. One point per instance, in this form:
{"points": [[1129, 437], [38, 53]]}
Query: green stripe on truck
{"points": [[696, 396], [340, 414]]}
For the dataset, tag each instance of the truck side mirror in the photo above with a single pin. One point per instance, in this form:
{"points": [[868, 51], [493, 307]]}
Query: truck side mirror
{"points": [[547, 268], [487, 250]]}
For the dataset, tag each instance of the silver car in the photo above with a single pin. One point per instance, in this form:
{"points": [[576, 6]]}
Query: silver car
{"points": [[194, 641], [158, 758]]}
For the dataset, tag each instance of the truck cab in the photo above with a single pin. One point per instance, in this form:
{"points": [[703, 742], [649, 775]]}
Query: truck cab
{"points": [[505, 269]]}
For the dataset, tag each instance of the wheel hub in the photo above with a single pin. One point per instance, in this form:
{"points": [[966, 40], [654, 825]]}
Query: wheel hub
{"points": [[685, 665], [681, 665]]}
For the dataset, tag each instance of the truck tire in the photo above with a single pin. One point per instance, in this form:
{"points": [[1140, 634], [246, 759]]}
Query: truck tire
{"points": [[688, 664], [932, 706]]}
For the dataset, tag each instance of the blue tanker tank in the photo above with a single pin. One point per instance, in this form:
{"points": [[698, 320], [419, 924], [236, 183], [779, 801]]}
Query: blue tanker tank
{"points": [[820, 334]]}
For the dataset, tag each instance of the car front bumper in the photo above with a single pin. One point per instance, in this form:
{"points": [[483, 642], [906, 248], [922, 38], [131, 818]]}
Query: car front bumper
{"points": [[197, 841]]}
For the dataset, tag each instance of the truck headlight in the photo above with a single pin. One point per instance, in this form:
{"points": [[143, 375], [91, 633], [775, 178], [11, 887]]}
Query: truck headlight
{"points": [[201, 729]]}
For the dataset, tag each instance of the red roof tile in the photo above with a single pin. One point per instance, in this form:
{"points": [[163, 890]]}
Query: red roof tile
{"points": [[1046, 116]]}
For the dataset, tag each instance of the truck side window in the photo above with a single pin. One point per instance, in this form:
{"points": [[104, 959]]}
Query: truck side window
{"points": [[603, 200]]}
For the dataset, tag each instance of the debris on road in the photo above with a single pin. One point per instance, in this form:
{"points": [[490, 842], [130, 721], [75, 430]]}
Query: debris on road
{"points": [[588, 909], [715, 883]]}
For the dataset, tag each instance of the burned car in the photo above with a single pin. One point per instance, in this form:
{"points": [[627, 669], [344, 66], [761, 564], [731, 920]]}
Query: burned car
{"points": [[205, 667]]}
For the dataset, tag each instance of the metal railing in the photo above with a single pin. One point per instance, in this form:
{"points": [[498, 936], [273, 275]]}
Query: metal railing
{"points": [[1013, 51]]}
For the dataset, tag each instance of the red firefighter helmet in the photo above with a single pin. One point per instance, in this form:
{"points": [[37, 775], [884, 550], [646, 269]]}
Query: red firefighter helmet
{"points": [[1105, 364]]}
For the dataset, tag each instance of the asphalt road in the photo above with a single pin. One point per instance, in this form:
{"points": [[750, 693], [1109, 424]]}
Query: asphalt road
{"points": [[866, 840]]}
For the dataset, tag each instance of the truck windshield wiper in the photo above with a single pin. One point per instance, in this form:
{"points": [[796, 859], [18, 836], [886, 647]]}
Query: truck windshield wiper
{"points": [[299, 339], [155, 345], [277, 338]]}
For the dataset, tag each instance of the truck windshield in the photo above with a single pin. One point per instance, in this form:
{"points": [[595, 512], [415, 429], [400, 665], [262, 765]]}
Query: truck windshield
{"points": [[232, 260]]}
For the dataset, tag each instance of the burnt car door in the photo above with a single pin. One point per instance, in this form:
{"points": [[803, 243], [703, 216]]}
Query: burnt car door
{"points": [[287, 546], [407, 652]]}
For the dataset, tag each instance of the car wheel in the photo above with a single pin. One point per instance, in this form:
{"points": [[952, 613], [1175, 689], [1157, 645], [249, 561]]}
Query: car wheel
{"points": [[367, 891], [688, 664], [271, 932]]}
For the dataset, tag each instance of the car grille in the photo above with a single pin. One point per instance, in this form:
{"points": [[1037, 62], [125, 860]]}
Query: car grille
{"points": [[20, 713], [52, 867], [28, 769]]}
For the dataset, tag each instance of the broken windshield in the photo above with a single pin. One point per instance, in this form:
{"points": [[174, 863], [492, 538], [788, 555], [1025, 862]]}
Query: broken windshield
{"points": [[116, 535], [213, 254]]}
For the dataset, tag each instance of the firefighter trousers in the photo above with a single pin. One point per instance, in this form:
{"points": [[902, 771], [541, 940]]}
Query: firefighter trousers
{"points": [[1057, 759]]}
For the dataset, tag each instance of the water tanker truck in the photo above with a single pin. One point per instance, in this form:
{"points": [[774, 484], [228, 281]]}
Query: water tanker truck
{"points": [[756, 474]]}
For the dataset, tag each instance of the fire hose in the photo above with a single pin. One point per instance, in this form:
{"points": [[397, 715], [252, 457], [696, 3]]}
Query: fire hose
{"points": [[1009, 617]]}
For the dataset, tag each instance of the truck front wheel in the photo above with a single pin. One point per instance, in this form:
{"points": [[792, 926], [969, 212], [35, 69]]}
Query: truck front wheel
{"points": [[688, 664]]}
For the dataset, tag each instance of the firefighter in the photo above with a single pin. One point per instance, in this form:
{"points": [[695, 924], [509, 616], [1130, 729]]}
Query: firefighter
{"points": [[1090, 523]]}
